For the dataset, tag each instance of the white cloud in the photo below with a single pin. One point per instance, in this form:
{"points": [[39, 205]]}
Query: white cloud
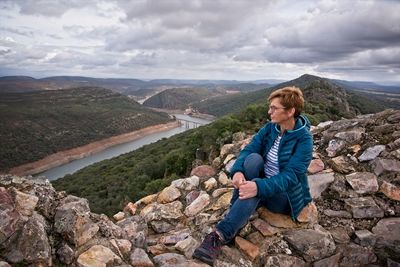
{"points": [[202, 38]]}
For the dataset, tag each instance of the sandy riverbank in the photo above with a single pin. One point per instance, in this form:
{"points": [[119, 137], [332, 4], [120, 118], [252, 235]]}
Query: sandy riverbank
{"points": [[66, 156]]}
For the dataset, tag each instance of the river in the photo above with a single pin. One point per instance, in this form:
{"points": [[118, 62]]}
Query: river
{"points": [[73, 166]]}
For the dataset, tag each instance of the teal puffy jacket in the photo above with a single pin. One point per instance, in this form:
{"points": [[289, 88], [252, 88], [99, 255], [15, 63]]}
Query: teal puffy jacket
{"points": [[294, 157]]}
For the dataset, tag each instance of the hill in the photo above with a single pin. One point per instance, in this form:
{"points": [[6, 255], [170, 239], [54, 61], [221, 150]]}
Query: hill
{"points": [[179, 98], [324, 100], [36, 124]]}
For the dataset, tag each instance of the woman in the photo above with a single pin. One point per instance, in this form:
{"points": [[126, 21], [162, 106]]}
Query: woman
{"points": [[271, 171]]}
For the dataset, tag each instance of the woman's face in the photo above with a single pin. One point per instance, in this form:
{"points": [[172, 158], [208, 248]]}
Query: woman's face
{"points": [[278, 112]]}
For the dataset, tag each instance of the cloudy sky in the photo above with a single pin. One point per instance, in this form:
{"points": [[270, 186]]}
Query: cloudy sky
{"points": [[202, 39]]}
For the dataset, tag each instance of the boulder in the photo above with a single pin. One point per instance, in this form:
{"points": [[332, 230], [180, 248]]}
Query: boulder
{"points": [[98, 256], [313, 245]]}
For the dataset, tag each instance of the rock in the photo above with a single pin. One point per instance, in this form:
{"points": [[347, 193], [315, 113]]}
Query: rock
{"points": [[387, 232], [170, 260], [355, 148], [220, 191], [174, 237], [210, 184], [9, 217], [66, 254], [131, 208], [363, 182], [191, 196], [324, 124], [168, 195], [187, 184], [396, 153], [313, 245], [337, 213], [140, 258], [33, 242], [332, 261], [316, 165], [122, 245], [318, 183], [72, 221], [265, 228], [382, 166], [352, 136], [371, 153], [161, 226], [390, 190], [355, 255], [216, 163], [223, 179], [232, 257], [98, 256], [251, 250], [340, 235], [309, 214], [364, 207], [156, 211], [147, 200], [203, 172], [187, 246], [226, 149], [108, 229], [340, 164], [132, 226], [48, 199], [120, 215], [334, 147], [25, 204], [284, 261], [158, 249], [223, 202], [256, 238], [198, 205], [365, 238], [239, 136], [276, 219], [139, 240], [246, 230]]}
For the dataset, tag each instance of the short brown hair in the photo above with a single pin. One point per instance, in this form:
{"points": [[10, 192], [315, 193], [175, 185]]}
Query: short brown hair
{"points": [[291, 97]]}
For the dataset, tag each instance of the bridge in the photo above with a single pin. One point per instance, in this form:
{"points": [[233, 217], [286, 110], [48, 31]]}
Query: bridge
{"points": [[189, 124]]}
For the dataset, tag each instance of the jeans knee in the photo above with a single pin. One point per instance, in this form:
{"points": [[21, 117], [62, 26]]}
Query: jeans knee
{"points": [[253, 165]]}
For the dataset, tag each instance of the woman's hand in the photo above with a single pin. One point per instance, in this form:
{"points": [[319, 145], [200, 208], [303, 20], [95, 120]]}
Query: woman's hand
{"points": [[238, 179], [247, 190]]}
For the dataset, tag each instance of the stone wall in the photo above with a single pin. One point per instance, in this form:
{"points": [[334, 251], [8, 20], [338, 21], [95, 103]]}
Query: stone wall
{"points": [[354, 219]]}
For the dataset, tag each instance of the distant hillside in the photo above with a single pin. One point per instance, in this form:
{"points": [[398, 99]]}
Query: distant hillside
{"points": [[179, 98], [389, 96], [324, 99], [36, 124], [223, 105], [134, 87]]}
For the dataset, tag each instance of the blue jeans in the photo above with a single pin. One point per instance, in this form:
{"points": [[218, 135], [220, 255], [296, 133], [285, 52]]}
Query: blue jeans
{"points": [[242, 209]]}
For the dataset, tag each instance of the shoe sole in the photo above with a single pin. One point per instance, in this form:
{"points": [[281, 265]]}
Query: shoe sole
{"points": [[204, 257]]}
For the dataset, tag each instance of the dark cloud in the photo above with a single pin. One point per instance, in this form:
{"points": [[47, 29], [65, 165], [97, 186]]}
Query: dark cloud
{"points": [[48, 7], [219, 38]]}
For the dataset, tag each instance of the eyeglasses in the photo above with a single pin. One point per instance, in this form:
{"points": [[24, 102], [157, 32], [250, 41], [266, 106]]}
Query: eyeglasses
{"points": [[273, 108]]}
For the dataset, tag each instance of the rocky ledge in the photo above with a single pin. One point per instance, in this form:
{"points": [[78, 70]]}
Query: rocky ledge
{"points": [[354, 219]]}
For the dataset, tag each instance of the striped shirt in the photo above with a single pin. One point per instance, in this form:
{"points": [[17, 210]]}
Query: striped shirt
{"points": [[271, 166]]}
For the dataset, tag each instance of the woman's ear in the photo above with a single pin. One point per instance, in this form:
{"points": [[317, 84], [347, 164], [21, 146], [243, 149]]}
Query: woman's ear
{"points": [[291, 112]]}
